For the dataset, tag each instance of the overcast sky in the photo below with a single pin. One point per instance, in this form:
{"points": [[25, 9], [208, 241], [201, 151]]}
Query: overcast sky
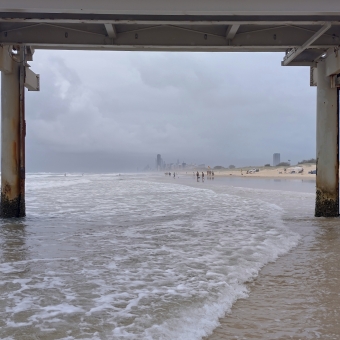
{"points": [[114, 111]]}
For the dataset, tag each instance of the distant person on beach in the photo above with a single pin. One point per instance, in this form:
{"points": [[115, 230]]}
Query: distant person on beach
{"points": [[202, 176], [174, 174], [212, 174], [169, 173], [197, 175]]}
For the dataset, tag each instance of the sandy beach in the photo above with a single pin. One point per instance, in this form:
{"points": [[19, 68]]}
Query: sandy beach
{"points": [[269, 172]]}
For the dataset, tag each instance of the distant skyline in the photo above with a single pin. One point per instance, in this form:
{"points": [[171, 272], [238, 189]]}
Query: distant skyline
{"points": [[276, 159], [115, 111]]}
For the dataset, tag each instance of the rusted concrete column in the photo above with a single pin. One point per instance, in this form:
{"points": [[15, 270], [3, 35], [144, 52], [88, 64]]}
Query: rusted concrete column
{"points": [[13, 142], [327, 146]]}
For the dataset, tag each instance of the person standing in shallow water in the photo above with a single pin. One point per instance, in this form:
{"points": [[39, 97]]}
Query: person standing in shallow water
{"points": [[202, 176], [197, 175]]}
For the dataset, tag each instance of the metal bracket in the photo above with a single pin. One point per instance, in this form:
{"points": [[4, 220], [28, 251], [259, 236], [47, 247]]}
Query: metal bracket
{"points": [[32, 80], [294, 52], [5, 60], [335, 81], [29, 53], [231, 31], [111, 31], [313, 76]]}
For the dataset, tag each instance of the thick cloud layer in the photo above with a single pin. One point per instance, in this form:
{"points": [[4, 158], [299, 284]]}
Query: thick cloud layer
{"points": [[114, 111]]}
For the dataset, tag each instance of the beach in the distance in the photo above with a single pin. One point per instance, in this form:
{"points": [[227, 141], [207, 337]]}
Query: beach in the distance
{"points": [[287, 172]]}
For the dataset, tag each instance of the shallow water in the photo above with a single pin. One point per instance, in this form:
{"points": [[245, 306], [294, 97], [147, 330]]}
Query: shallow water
{"points": [[297, 296], [131, 257]]}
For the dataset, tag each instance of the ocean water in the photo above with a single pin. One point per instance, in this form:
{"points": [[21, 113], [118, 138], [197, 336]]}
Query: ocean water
{"points": [[131, 257]]}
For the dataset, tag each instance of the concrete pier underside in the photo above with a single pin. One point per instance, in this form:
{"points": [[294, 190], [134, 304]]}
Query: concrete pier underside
{"points": [[12, 143], [327, 146]]}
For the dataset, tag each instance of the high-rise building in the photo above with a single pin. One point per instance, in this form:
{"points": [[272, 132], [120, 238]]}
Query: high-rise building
{"points": [[159, 162], [276, 159]]}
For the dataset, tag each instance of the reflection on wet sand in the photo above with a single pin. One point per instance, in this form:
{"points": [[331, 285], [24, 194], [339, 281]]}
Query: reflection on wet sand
{"points": [[297, 297], [13, 242], [13, 249]]}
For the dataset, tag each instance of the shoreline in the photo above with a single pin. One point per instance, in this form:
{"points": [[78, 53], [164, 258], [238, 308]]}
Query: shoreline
{"points": [[298, 295]]}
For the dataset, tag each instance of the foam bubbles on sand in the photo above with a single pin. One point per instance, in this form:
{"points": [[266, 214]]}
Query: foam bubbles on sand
{"points": [[129, 259]]}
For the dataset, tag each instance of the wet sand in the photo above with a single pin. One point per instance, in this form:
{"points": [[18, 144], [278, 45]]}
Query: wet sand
{"points": [[298, 296]]}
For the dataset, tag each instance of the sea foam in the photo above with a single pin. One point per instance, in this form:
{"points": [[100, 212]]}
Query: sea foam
{"points": [[131, 259]]}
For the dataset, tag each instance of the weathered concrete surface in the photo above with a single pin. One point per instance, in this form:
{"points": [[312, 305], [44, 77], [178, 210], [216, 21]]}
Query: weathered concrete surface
{"points": [[12, 141], [12, 208], [326, 205], [327, 146]]}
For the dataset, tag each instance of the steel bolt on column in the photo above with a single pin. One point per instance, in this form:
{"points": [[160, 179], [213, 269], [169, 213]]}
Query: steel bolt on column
{"points": [[327, 146], [13, 141]]}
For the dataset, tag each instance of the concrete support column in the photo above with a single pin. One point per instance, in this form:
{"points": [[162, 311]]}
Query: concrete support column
{"points": [[13, 141], [327, 146]]}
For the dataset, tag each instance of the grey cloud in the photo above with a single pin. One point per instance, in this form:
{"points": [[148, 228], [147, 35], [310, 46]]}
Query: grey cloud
{"points": [[214, 108]]}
